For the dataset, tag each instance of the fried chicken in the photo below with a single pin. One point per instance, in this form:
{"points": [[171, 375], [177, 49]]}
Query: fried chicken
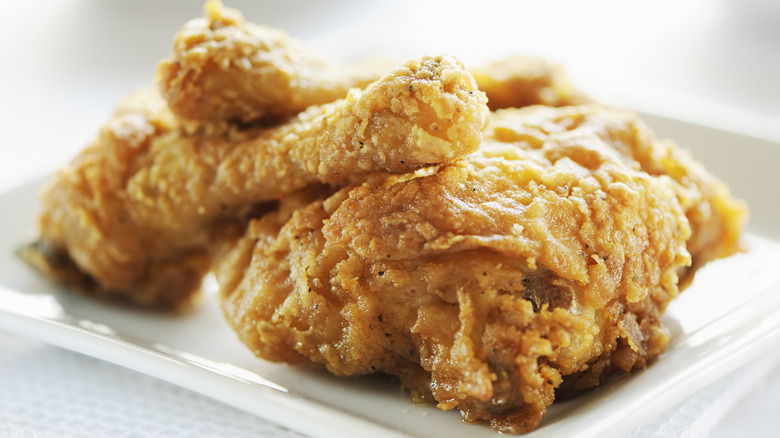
{"points": [[517, 81], [540, 263], [716, 218], [136, 211], [224, 69], [369, 222]]}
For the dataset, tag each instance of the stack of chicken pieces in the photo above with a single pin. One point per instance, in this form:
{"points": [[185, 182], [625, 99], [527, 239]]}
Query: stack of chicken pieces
{"points": [[489, 236]]}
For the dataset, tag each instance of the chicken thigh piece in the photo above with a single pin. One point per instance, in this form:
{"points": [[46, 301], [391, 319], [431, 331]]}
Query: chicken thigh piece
{"points": [[540, 264]]}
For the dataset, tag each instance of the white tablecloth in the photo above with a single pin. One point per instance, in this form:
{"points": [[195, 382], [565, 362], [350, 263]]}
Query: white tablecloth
{"points": [[66, 63]]}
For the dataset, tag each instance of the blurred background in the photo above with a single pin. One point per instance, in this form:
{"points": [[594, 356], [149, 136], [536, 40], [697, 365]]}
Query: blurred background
{"points": [[65, 63]]}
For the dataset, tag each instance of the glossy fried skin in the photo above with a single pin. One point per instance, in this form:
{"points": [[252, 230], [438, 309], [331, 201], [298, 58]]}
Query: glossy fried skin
{"points": [[540, 263], [518, 81], [138, 210], [224, 69]]}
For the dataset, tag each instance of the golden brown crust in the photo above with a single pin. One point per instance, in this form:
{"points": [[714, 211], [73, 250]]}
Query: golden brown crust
{"points": [[224, 69], [88, 240], [136, 210], [716, 218], [517, 81], [547, 253], [383, 229]]}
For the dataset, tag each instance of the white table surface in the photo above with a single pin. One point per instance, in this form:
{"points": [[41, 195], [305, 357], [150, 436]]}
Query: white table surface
{"points": [[65, 63]]}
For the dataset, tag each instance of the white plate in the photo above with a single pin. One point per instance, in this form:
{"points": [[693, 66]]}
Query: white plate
{"points": [[729, 316]]}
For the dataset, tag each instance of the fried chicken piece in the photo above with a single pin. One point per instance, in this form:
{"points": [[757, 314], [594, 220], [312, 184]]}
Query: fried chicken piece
{"points": [[224, 69], [518, 81], [716, 218], [540, 263], [137, 211]]}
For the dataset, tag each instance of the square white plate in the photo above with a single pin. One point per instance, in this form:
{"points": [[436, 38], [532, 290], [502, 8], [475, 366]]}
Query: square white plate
{"points": [[728, 317]]}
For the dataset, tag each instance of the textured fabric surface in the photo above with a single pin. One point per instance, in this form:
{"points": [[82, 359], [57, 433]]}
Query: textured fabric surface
{"points": [[47, 392], [758, 412], [705, 414]]}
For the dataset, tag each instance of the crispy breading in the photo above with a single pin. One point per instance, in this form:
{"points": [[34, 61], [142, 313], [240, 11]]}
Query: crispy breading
{"points": [[135, 211], [493, 261], [541, 262], [517, 81], [716, 218], [224, 69]]}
